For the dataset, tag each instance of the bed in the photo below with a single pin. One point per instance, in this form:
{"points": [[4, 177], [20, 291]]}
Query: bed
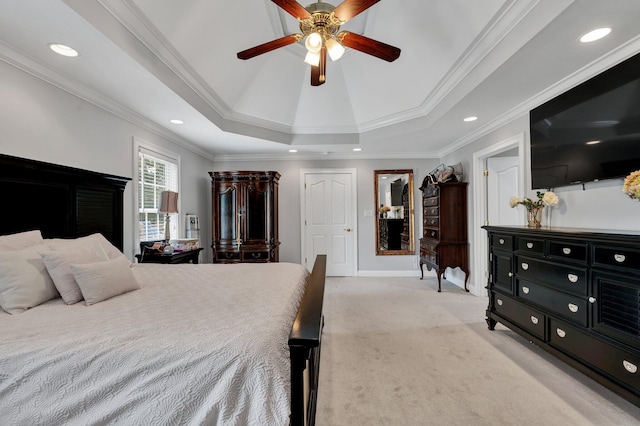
{"points": [[191, 344]]}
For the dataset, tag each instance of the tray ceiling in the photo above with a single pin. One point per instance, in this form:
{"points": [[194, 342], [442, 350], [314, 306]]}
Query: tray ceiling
{"points": [[154, 60]]}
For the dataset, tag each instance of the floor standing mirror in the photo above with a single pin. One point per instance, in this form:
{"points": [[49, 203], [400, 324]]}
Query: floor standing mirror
{"points": [[394, 202]]}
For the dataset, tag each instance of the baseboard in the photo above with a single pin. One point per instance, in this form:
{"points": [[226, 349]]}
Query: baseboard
{"points": [[411, 273]]}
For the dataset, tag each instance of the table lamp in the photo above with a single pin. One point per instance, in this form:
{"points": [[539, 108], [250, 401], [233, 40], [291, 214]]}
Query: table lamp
{"points": [[168, 205]]}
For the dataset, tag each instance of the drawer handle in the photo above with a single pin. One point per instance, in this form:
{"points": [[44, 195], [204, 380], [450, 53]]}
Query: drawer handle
{"points": [[592, 299], [525, 266], [534, 320], [560, 332], [566, 250], [525, 290], [573, 308], [573, 278], [629, 366], [510, 274], [619, 257], [432, 221], [499, 302], [530, 245], [501, 241]]}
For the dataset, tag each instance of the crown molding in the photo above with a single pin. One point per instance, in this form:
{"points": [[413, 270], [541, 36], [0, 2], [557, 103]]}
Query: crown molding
{"points": [[39, 70], [590, 70]]}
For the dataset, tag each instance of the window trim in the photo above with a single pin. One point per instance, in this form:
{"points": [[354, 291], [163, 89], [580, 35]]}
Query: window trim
{"points": [[149, 148]]}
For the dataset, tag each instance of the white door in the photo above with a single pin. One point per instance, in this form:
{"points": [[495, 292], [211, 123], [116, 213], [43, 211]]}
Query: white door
{"points": [[329, 205], [501, 186]]}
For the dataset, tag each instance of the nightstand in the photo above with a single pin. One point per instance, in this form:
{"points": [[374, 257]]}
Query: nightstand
{"points": [[190, 256]]}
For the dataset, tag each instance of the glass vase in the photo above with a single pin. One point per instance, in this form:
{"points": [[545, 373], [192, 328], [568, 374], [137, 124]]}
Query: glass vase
{"points": [[534, 217]]}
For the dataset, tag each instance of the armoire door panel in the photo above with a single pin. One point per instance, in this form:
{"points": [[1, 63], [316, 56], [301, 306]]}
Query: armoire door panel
{"points": [[256, 209]]}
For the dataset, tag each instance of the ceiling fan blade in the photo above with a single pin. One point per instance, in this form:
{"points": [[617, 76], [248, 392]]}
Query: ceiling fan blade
{"points": [[350, 8], [269, 46], [318, 74], [293, 8], [369, 46]]}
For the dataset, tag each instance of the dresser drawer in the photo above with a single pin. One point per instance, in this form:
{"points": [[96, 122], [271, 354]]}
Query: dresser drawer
{"points": [[562, 277], [431, 222], [530, 245], [569, 306], [503, 242], [430, 202], [615, 361], [627, 258], [223, 256], [255, 256], [431, 211], [428, 245], [431, 191], [568, 251], [431, 233], [527, 318]]}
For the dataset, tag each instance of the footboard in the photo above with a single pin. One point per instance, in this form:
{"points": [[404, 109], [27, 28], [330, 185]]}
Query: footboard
{"points": [[304, 348]]}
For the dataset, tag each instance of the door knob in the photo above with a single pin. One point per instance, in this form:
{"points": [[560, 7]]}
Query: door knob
{"points": [[348, 229]]}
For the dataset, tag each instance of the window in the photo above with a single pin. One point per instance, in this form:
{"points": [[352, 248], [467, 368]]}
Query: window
{"points": [[156, 173]]}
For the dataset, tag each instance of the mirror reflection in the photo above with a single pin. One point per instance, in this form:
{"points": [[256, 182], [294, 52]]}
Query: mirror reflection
{"points": [[394, 202]]}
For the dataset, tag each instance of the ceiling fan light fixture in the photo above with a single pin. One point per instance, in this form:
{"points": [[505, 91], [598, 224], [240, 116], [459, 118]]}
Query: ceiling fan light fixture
{"points": [[313, 43], [335, 49], [312, 58]]}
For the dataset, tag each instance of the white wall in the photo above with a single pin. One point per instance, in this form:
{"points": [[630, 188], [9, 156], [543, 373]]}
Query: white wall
{"points": [[600, 206], [42, 122], [289, 207]]}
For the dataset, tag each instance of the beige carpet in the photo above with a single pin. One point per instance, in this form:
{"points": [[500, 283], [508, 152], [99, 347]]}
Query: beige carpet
{"points": [[396, 352]]}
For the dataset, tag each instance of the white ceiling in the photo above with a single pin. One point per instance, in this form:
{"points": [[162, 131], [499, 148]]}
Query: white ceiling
{"points": [[150, 61]]}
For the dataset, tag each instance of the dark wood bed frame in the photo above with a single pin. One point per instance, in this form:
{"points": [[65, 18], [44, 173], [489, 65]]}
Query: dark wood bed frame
{"points": [[65, 202]]}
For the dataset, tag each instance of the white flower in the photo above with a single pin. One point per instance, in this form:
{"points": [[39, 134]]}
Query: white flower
{"points": [[550, 199], [514, 201]]}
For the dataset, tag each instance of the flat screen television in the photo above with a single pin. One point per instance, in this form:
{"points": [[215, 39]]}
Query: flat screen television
{"points": [[591, 132]]}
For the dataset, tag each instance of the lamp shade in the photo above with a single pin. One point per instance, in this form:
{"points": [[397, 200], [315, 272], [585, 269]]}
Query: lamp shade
{"points": [[168, 202]]}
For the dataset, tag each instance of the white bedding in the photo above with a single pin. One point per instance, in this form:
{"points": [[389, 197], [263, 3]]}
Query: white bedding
{"points": [[197, 344]]}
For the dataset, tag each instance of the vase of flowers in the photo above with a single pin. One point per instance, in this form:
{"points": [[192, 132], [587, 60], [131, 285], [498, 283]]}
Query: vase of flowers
{"points": [[534, 208], [631, 185]]}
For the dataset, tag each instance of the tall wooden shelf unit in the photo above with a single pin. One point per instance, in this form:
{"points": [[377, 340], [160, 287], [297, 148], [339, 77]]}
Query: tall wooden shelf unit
{"points": [[444, 242], [244, 216]]}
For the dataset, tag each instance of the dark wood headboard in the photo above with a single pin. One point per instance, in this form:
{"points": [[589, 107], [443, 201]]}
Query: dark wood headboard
{"points": [[60, 201]]}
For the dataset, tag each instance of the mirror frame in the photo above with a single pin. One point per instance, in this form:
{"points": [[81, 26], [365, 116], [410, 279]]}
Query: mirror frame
{"points": [[376, 177]]}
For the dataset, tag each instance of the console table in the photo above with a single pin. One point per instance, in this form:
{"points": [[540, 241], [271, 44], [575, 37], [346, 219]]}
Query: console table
{"points": [[574, 293]]}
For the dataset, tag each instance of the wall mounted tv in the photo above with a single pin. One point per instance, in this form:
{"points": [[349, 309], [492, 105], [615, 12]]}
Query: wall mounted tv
{"points": [[591, 132]]}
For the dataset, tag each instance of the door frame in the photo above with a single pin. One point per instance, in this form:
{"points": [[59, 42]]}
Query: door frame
{"points": [[354, 209], [480, 252]]}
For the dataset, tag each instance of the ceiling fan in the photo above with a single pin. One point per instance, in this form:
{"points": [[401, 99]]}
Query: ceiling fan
{"points": [[320, 25]]}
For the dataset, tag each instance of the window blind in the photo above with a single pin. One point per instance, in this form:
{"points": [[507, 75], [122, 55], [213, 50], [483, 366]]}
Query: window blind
{"points": [[156, 173]]}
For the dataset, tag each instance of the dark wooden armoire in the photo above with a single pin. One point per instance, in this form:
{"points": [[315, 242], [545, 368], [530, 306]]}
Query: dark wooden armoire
{"points": [[244, 216], [444, 243]]}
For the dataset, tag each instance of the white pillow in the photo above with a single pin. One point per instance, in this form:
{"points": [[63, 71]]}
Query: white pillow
{"points": [[110, 250], [24, 281], [58, 263], [104, 280], [20, 241]]}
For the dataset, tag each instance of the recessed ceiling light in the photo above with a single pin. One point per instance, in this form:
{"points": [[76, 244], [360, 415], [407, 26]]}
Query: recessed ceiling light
{"points": [[593, 142], [357, 149], [472, 118], [595, 35], [293, 150], [176, 121], [63, 50]]}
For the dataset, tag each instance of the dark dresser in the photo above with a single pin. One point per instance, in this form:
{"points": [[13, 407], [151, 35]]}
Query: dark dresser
{"points": [[444, 243], [573, 292]]}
